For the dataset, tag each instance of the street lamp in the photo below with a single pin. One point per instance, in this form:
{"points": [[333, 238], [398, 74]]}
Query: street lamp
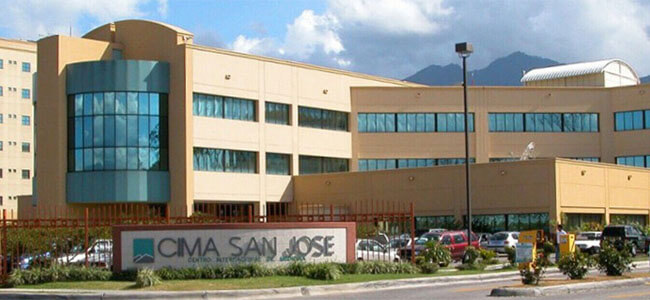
{"points": [[464, 50]]}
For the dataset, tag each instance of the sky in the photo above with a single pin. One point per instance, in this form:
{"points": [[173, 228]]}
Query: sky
{"points": [[392, 38]]}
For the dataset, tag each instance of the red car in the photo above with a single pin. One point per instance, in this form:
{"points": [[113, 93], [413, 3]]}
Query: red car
{"points": [[455, 241]]}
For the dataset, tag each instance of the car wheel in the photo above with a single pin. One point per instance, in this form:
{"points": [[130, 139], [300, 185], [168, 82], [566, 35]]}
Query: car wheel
{"points": [[465, 258]]}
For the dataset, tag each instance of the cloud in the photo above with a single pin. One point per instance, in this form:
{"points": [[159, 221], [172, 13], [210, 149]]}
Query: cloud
{"points": [[261, 46], [32, 19], [163, 6]]}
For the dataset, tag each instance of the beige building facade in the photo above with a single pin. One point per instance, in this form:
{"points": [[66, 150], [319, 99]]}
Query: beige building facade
{"points": [[17, 70]]}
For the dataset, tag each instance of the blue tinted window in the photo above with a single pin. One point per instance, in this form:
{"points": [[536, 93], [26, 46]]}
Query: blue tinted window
{"points": [[637, 120], [390, 123], [27, 67], [25, 121], [401, 122], [372, 122], [278, 164], [362, 122]]}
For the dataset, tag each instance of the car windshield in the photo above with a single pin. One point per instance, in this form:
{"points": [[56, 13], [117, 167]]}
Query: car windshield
{"points": [[614, 231], [427, 237], [499, 236]]}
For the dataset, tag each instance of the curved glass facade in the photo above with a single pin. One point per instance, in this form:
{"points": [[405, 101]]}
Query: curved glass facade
{"points": [[117, 131]]}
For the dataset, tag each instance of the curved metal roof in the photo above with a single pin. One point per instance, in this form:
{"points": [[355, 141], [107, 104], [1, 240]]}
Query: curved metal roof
{"points": [[568, 70]]}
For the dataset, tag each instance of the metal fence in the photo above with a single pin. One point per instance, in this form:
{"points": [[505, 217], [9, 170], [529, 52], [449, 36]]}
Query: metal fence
{"points": [[83, 236]]}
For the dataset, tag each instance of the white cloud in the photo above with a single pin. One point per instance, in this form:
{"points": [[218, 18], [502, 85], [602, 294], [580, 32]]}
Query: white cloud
{"points": [[163, 7], [310, 32], [262, 46]]}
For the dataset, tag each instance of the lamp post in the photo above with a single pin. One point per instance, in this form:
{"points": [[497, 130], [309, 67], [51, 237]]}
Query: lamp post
{"points": [[464, 50]]}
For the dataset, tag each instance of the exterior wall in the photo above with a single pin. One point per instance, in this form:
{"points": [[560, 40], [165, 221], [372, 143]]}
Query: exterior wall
{"points": [[553, 186], [12, 133], [634, 142], [264, 79], [483, 144]]}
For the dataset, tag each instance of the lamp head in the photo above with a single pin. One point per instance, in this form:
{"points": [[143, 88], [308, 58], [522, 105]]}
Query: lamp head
{"points": [[464, 49]]}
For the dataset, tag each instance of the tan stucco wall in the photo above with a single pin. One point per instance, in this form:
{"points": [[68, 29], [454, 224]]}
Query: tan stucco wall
{"points": [[545, 185], [12, 132]]}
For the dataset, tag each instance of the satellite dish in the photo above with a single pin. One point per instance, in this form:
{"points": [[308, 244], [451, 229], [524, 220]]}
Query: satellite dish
{"points": [[529, 152]]}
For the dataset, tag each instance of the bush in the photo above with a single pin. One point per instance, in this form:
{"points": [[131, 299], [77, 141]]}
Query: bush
{"points": [[435, 252], [487, 255], [532, 274], [475, 266], [428, 268], [324, 271], [56, 273], [512, 255], [614, 262], [147, 277], [471, 255], [295, 268], [575, 265]]}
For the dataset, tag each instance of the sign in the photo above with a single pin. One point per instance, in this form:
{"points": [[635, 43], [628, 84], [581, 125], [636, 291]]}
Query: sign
{"points": [[524, 253], [567, 243], [196, 245]]}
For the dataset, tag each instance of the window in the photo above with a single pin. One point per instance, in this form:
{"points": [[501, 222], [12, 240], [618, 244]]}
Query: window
{"points": [[117, 131], [634, 161], [316, 164], [25, 93], [1, 119], [25, 174], [25, 147], [25, 121], [322, 118], [221, 160], [543, 122], [1, 93], [427, 222], [1, 64], [413, 122], [589, 159], [0, 173], [1, 146], [278, 164], [459, 239], [632, 120], [402, 163], [502, 159], [276, 113], [27, 67], [214, 106]]}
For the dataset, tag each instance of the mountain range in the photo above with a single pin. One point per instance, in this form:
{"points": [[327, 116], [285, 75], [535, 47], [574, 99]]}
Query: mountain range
{"points": [[504, 71]]}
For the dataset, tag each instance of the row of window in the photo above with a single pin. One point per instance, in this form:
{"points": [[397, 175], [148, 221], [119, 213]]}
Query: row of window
{"points": [[25, 147], [509, 222], [117, 131], [25, 93], [25, 174], [213, 106], [25, 120], [413, 122], [632, 120], [642, 161], [322, 118], [543, 122], [26, 67], [401, 163]]}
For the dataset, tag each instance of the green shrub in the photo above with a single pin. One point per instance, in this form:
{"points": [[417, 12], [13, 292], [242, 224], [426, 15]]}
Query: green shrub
{"points": [[437, 253], [487, 255], [428, 268], [614, 262], [575, 265], [147, 277], [471, 255], [324, 271], [512, 254], [532, 274], [56, 273], [295, 268]]}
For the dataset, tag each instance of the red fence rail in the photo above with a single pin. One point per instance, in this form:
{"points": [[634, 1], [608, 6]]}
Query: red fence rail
{"points": [[42, 236]]}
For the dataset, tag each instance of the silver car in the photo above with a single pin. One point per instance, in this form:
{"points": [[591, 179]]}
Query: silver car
{"points": [[501, 240]]}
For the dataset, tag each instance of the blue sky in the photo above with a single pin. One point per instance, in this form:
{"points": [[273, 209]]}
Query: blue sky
{"points": [[393, 38]]}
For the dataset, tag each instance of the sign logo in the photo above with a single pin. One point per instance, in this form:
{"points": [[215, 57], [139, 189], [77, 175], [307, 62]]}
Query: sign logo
{"points": [[143, 251]]}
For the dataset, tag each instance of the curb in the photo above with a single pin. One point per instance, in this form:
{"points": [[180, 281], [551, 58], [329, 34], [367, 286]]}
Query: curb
{"points": [[567, 288]]}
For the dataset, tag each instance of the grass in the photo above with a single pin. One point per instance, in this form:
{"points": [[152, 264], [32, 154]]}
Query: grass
{"points": [[237, 284]]}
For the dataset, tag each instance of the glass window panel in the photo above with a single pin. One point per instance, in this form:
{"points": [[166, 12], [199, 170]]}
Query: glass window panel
{"points": [[154, 132], [628, 120], [154, 158], [209, 106], [402, 163], [363, 165], [460, 122], [430, 123], [509, 122], [362, 122], [120, 103], [98, 131], [519, 122], [88, 104], [132, 131], [120, 158], [619, 121], [143, 103], [132, 158], [412, 163], [390, 122], [401, 122], [88, 159], [492, 122], [577, 123], [419, 123], [143, 158], [109, 131], [203, 104], [647, 119], [381, 164], [109, 103], [98, 159], [195, 104], [568, 122], [451, 122], [639, 161], [132, 103], [501, 122], [539, 122], [556, 122], [594, 122], [78, 160], [410, 122], [78, 105], [78, 132], [88, 132], [372, 121], [120, 130], [372, 164], [381, 123], [530, 122], [391, 164], [637, 119], [154, 104], [441, 122], [143, 131], [109, 159], [98, 103]]}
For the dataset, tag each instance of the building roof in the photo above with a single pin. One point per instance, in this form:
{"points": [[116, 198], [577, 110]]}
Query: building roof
{"points": [[569, 70]]}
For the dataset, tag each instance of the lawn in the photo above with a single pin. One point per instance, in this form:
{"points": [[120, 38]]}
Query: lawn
{"points": [[236, 284]]}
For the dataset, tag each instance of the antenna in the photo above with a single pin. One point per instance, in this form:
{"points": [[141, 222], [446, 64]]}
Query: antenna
{"points": [[529, 152]]}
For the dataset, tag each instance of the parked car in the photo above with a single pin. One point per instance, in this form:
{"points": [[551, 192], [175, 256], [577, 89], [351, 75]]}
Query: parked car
{"points": [[398, 243], [484, 239], [368, 249], [588, 241], [504, 239], [455, 241], [621, 235], [100, 254]]}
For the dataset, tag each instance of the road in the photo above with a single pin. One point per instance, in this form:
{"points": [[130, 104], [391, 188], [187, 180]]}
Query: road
{"points": [[480, 291]]}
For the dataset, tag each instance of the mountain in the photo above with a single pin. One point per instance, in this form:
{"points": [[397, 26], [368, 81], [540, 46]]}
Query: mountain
{"points": [[503, 71], [645, 79]]}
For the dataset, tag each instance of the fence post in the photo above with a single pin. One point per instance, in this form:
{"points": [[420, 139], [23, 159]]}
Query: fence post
{"points": [[168, 214], [412, 216], [250, 213], [4, 245], [86, 236], [331, 213]]}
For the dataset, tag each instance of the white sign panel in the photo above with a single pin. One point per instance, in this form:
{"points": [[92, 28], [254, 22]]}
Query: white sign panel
{"points": [[524, 253], [204, 247]]}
